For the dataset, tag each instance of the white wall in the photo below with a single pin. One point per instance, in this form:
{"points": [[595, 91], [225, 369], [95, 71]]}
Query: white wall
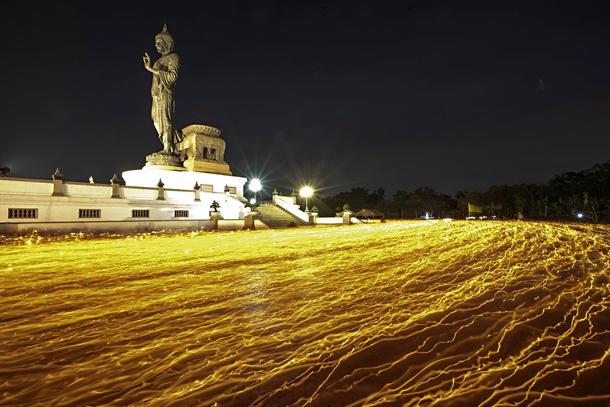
{"points": [[183, 179], [107, 226], [233, 224], [78, 189], [329, 221], [24, 193], [25, 186]]}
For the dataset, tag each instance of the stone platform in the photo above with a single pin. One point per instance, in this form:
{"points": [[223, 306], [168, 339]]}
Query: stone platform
{"points": [[149, 177], [203, 149]]}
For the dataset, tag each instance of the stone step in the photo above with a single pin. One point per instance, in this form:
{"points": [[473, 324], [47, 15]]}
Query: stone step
{"points": [[276, 217]]}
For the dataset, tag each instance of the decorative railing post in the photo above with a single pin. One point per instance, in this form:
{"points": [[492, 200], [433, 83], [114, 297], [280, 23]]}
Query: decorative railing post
{"points": [[197, 189], [249, 220], [275, 193], [160, 191], [214, 216], [347, 217], [293, 195], [116, 187], [313, 215], [58, 183]]}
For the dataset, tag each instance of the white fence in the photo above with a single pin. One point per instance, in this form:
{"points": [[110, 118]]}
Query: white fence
{"points": [[329, 221]]}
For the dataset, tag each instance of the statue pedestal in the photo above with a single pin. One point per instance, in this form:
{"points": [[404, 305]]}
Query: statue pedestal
{"points": [[207, 166], [204, 150], [163, 160]]}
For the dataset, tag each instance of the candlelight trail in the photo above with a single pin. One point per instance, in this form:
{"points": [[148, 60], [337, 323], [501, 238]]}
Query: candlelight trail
{"points": [[402, 313]]}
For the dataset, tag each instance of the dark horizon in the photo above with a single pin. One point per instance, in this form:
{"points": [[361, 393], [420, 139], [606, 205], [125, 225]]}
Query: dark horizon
{"points": [[337, 94]]}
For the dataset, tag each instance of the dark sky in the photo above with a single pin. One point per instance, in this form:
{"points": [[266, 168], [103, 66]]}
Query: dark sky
{"points": [[456, 95]]}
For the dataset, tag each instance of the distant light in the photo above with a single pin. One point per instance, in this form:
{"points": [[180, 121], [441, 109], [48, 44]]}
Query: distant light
{"points": [[306, 192], [255, 185], [579, 215], [427, 216], [252, 201]]}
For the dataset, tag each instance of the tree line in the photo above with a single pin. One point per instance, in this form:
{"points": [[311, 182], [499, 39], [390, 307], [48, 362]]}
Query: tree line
{"points": [[584, 195]]}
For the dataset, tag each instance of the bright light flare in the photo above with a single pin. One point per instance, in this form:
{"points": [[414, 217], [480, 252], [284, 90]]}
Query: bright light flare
{"points": [[255, 185], [306, 192]]}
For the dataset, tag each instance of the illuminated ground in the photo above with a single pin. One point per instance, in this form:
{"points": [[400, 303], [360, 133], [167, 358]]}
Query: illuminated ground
{"points": [[444, 313]]}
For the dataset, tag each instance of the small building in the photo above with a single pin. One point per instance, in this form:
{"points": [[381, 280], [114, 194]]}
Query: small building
{"points": [[369, 214]]}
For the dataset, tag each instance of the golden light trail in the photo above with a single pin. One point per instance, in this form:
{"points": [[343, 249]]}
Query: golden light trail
{"points": [[402, 313]]}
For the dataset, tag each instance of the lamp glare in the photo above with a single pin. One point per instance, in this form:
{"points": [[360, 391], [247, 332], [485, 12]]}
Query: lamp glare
{"points": [[255, 185], [306, 192]]}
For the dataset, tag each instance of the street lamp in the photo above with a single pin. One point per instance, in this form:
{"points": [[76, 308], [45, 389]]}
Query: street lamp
{"points": [[255, 186], [306, 192]]}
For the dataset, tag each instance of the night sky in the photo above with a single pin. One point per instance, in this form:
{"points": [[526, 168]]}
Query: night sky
{"points": [[451, 95]]}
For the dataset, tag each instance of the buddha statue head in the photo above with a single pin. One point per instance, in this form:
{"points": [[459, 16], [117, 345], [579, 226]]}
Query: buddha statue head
{"points": [[164, 41]]}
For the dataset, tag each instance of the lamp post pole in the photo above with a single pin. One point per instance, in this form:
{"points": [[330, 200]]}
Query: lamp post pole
{"points": [[255, 186]]}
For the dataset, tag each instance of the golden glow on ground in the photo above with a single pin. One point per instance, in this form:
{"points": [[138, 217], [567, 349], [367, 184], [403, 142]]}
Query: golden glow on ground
{"points": [[430, 313]]}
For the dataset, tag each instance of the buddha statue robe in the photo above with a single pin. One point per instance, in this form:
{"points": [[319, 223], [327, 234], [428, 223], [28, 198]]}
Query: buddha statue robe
{"points": [[162, 91]]}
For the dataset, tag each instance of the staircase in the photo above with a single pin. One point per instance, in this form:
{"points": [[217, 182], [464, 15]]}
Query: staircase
{"points": [[276, 217]]}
